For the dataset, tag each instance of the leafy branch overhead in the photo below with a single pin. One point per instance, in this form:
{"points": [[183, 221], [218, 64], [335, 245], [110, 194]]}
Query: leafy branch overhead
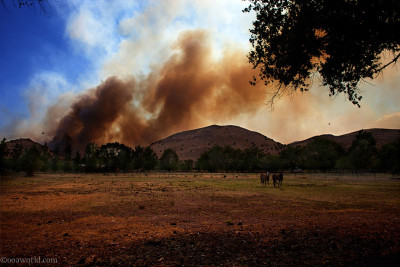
{"points": [[341, 40]]}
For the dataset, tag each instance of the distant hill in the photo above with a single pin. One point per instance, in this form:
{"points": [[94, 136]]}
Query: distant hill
{"points": [[382, 137], [191, 144], [25, 144]]}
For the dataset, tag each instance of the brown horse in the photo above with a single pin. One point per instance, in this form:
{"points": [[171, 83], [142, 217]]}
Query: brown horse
{"points": [[264, 178], [277, 179]]}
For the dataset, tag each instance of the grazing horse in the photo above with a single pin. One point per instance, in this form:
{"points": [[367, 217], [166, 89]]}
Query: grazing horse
{"points": [[264, 178], [277, 179]]}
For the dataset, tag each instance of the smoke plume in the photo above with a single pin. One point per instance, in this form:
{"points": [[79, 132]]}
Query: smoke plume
{"points": [[189, 90]]}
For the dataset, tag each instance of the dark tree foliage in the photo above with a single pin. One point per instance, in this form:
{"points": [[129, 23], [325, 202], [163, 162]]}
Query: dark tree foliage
{"points": [[273, 163], [144, 158], [114, 157], [31, 160], [322, 154], [55, 163], [67, 164], [3, 156], [45, 158], [187, 165], [254, 159], [138, 158], [389, 157], [226, 158], [344, 163], [150, 159], [169, 160], [16, 156], [341, 40], [77, 162], [42, 7], [68, 152], [362, 151], [214, 159], [292, 157], [90, 157]]}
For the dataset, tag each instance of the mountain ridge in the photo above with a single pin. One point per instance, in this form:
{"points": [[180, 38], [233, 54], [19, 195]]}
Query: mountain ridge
{"points": [[381, 135], [192, 143], [24, 144]]}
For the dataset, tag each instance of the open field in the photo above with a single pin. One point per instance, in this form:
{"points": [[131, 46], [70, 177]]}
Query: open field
{"points": [[201, 219]]}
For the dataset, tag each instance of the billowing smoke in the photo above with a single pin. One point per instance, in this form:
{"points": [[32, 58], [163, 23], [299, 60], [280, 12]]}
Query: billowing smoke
{"points": [[189, 90], [93, 114]]}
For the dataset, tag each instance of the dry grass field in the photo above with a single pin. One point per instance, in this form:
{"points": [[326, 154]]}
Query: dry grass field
{"points": [[165, 219]]}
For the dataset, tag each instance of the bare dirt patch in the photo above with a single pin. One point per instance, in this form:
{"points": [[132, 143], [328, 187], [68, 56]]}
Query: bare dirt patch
{"points": [[201, 219]]}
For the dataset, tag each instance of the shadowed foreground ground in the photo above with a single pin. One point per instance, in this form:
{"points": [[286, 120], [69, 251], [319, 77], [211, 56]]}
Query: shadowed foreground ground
{"points": [[201, 219]]}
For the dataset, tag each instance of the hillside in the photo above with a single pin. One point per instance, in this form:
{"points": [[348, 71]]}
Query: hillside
{"points": [[382, 137], [24, 144], [191, 144]]}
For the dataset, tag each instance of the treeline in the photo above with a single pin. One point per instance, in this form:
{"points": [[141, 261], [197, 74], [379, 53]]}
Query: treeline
{"points": [[326, 155], [319, 155], [112, 157]]}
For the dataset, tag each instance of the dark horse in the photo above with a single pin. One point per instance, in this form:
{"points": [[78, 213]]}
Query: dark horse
{"points": [[277, 179], [264, 178]]}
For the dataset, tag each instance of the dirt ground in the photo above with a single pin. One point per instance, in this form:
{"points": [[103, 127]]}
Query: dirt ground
{"points": [[191, 219]]}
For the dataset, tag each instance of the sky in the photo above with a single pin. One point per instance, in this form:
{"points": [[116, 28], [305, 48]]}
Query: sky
{"points": [[138, 71]]}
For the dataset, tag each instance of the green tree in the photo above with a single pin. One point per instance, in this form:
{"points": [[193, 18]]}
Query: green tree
{"points": [[3, 156], [292, 157], [138, 158], [389, 157], [272, 163], [67, 165], [187, 165], [254, 159], [144, 158], [150, 159], [202, 162], [68, 152], [343, 163], [234, 159], [322, 154], [55, 163], [77, 162], [16, 157], [114, 156], [169, 160], [212, 159], [362, 151], [45, 159], [31, 161], [341, 40], [90, 157], [124, 159], [221, 158]]}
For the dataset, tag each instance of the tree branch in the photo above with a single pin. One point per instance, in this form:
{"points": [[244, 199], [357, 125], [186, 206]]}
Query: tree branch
{"points": [[391, 62]]}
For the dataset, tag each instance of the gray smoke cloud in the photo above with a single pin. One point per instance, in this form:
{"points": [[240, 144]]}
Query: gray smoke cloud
{"points": [[186, 91]]}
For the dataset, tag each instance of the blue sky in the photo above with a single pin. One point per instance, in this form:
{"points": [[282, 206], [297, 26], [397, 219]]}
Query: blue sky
{"points": [[47, 62], [33, 44], [23, 32]]}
